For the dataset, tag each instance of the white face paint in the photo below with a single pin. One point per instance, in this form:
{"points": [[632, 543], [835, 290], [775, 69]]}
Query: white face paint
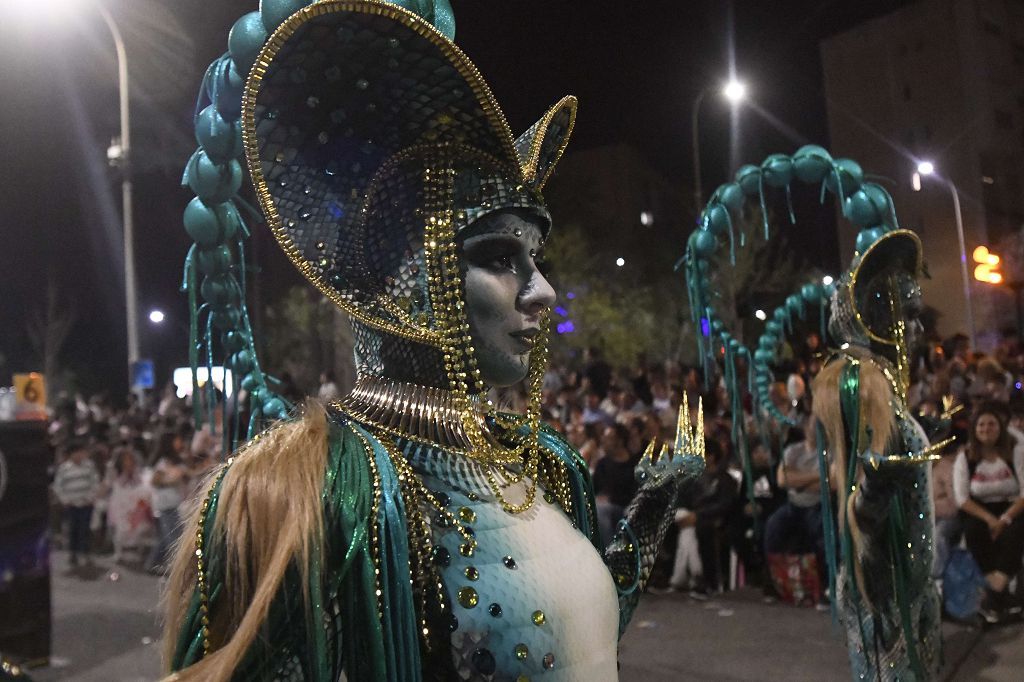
{"points": [[505, 294]]}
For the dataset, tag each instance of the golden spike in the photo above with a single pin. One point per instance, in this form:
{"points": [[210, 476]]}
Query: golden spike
{"points": [[649, 452], [683, 427], [699, 431], [666, 453]]}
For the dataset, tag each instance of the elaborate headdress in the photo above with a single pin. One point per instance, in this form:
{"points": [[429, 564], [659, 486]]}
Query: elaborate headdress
{"points": [[372, 142]]}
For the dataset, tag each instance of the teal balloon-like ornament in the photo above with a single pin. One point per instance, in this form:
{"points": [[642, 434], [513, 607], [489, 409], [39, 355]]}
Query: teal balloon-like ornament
{"points": [[777, 170], [869, 205], [717, 219], [246, 39], [213, 183], [749, 179], [220, 139], [811, 292], [235, 341], [214, 261], [704, 243], [865, 238], [849, 173], [274, 12], [730, 196], [811, 163], [210, 225]]}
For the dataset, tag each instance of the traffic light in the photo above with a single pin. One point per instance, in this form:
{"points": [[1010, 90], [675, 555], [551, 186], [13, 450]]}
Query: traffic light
{"points": [[987, 268]]}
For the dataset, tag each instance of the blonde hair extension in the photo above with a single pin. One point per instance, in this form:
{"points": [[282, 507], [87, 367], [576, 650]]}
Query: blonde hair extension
{"points": [[875, 397], [269, 516]]}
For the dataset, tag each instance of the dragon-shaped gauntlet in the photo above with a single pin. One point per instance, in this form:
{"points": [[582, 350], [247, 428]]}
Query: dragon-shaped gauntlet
{"points": [[631, 552]]}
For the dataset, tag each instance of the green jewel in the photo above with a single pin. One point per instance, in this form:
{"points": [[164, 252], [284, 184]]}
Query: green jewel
{"points": [[538, 617], [522, 651], [467, 515], [472, 573]]}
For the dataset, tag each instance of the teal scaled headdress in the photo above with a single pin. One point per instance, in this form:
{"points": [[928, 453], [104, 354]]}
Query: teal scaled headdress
{"points": [[866, 204], [371, 141]]}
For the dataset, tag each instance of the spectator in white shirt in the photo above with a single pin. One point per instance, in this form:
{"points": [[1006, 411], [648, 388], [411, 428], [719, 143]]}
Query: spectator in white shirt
{"points": [[76, 484], [987, 479]]}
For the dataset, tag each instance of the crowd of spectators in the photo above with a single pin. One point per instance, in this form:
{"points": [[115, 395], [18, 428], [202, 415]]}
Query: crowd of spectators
{"points": [[121, 474], [770, 529]]}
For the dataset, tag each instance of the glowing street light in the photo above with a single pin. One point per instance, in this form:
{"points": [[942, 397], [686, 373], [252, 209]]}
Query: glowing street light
{"points": [[760, 314], [119, 153], [156, 316], [926, 168], [734, 91], [620, 261], [827, 279]]}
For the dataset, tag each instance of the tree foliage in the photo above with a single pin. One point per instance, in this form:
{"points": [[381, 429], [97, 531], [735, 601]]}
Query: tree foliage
{"points": [[303, 335]]}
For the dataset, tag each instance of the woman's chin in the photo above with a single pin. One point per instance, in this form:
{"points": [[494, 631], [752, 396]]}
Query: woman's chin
{"points": [[506, 372]]}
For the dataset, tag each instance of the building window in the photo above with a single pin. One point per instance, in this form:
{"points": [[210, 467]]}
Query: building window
{"points": [[1003, 119]]}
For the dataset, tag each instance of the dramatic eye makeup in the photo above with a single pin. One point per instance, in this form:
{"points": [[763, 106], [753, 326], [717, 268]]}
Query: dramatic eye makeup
{"points": [[501, 252]]}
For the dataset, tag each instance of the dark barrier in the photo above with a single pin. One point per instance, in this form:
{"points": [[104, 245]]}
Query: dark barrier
{"points": [[24, 543]]}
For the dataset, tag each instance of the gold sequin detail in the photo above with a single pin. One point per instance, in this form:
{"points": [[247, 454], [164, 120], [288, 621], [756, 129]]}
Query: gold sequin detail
{"points": [[522, 651], [538, 617], [468, 597]]}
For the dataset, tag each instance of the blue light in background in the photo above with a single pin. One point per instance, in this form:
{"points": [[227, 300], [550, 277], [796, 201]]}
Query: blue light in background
{"points": [[561, 311], [705, 326], [570, 295], [566, 327]]}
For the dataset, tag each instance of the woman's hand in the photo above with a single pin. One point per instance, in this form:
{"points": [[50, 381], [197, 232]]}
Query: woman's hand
{"points": [[995, 526]]}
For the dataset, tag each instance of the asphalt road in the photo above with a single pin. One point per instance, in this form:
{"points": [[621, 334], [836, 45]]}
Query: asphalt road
{"points": [[106, 629]]}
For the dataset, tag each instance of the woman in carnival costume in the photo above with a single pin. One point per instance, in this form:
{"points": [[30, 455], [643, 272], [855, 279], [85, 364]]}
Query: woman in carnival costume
{"points": [[879, 453], [881, 465], [409, 530]]}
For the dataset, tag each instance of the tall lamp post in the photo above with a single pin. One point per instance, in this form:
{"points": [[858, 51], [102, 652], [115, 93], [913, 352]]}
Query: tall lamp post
{"points": [[926, 169], [734, 91]]}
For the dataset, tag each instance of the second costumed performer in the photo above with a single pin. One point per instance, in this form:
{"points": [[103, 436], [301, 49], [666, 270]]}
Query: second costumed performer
{"points": [[409, 531]]}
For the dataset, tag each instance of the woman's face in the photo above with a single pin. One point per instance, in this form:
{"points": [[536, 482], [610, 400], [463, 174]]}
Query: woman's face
{"points": [[505, 295], [987, 429], [127, 462]]}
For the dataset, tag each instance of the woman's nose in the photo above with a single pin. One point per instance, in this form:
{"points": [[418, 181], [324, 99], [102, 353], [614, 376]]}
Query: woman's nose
{"points": [[537, 295]]}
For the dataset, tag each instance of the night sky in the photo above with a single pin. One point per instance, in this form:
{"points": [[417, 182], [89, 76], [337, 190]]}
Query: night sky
{"points": [[636, 68]]}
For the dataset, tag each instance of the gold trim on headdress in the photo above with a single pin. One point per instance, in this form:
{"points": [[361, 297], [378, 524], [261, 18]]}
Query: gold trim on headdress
{"points": [[874, 251]]}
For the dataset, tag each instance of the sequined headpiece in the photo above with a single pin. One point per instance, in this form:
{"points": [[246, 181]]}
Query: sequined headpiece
{"points": [[862, 305], [372, 141]]}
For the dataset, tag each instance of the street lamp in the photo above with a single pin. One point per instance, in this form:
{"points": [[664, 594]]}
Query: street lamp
{"points": [[735, 91], [156, 316], [925, 169], [119, 154]]}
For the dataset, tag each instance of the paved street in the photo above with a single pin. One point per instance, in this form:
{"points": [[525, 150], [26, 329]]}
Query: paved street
{"points": [[106, 630]]}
